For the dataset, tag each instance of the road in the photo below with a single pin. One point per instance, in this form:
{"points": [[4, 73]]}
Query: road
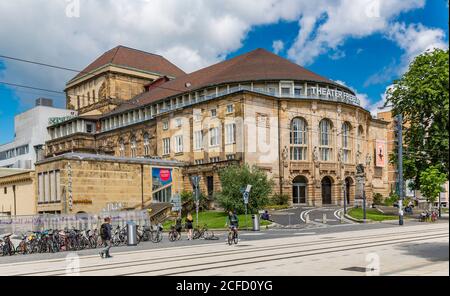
{"points": [[297, 217], [416, 249]]}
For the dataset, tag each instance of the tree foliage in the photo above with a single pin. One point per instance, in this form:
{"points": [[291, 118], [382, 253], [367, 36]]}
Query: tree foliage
{"points": [[431, 181], [421, 95], [234, 178]]}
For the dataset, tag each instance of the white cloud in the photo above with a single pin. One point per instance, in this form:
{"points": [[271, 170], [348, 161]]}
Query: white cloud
{"points": [[191, 33], [326, 25], [337, 55], [278, 46]]}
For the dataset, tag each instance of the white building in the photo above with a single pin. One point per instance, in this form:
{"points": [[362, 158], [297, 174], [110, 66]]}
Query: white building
{"points": [[31, 134]]}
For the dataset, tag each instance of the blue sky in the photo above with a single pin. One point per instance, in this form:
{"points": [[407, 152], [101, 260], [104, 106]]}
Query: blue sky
{"points": [[367, 59]]}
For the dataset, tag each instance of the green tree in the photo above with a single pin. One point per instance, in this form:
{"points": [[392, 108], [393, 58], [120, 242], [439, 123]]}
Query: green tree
{"points": [[235, 177], [421, 95], [431, 181]]}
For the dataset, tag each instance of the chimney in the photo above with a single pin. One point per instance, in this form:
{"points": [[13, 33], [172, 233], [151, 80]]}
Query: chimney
{"points": [[44, 102]]}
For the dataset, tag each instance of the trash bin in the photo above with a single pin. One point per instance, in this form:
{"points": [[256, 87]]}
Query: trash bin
{"points": [[255, 220], [131, 234]]}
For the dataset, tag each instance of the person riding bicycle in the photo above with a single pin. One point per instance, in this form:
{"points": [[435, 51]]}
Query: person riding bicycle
{"points": [[232, 221]]}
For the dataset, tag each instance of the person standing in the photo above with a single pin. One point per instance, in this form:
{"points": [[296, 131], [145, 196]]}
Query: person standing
{"points": [[189, 225], [105, 234]]}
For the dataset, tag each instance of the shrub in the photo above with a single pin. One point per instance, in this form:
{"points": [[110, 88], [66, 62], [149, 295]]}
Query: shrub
{"points": [[393, 198], [377, 199], [280, 199], [188, 201]]}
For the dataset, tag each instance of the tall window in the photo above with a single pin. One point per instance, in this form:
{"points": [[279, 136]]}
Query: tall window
{"points": [[346, 146], [166, 146], [146, 144], [198, 140], [133, 146], [214, 136], [121, 148], [230, 130], [325, 128], [299, 140], [178, 144]]}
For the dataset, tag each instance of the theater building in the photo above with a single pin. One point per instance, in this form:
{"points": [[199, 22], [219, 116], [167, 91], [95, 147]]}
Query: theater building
{"points": [[307, 132]]}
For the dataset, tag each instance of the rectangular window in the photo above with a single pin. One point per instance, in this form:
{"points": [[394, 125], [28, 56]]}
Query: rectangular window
{"points": [[178, 122], [5, 190], [178, 144], [231, 156], [46, 187], [230, 133], [286, 91], [230, 108], [214, 137], [198, 140], [214, 159], [52, 187], [298, 91], [166, 146], [325, 154], [213, 113], [89, 128], [298, 153], [58, 186], [165, 125], [41, 188], [198, 161]]}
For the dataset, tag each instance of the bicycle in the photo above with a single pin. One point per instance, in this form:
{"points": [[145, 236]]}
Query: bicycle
{"points": [[203, 233], [233, 236], [174, 234], [156, 234], [8, 247]]}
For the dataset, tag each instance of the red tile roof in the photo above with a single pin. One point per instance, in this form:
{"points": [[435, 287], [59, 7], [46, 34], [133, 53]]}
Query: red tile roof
{"points": [[257, 65], [133, 58]]}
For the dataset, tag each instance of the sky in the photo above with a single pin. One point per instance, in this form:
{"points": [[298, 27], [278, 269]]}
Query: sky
{"points": [[364, 44]]}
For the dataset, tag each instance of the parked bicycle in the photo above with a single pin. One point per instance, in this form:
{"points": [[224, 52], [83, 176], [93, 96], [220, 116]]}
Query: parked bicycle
{"points": [[203, 233], [7, 245], [174, 234]]}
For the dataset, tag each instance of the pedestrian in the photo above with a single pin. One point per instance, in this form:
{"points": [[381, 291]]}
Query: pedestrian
{"points": [[105, 234], [189, 225]]}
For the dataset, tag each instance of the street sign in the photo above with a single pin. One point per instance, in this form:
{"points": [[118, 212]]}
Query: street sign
{"points": [[246, 195]]}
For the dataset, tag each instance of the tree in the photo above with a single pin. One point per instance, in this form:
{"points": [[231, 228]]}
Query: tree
{"points": [[421, 95], [234, 178], [431, 181]]}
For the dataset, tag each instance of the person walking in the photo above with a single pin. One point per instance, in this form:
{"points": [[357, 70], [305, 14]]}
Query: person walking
{"points": [[105, 234], [189, 225]]}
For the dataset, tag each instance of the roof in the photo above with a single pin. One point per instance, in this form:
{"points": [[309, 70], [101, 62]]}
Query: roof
{"points": [[108, 158], [6, 172], [257, 65], [133, 58]]}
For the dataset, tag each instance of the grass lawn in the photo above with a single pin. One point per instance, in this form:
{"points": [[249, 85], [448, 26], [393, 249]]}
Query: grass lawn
{"points": [[216, 220], [372, 214]]}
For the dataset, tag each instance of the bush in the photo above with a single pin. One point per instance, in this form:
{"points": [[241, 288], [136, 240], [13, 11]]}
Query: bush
{"points": [[378, 199], [393, 198], [188, 201], [234, 178], [280, 199]]}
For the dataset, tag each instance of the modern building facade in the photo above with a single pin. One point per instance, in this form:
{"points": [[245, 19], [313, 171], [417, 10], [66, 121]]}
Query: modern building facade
{"points": [[307, 132], [31, 135]]}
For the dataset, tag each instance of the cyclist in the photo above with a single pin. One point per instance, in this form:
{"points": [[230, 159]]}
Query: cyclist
{"points": [[232, 221]]}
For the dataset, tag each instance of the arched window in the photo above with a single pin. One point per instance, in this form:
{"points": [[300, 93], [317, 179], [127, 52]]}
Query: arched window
{"points": [[122, 148], [146, 144], [299, 139], [346, 144], [133, 147], [325, 127]]}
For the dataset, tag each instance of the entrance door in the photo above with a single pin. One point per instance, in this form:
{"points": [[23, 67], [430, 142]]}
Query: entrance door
{"points": [[210, 186], [326, 191], [299, 190]]}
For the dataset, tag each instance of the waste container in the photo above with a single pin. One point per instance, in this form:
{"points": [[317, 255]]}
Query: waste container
{"points": [[255, 220], [131, 233]]}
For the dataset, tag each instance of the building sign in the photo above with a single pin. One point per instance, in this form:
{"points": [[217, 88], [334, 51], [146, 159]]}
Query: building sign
{"points": [[380, 153], [334, 95], [161, 177], [57, 120]]}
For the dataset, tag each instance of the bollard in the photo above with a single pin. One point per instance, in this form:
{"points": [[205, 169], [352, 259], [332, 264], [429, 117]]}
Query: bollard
{"points": [[324, 219], [307, 218], [342, 217]]}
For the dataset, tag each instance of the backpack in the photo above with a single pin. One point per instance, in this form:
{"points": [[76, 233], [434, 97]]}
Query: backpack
{"points": [[103, 231]]}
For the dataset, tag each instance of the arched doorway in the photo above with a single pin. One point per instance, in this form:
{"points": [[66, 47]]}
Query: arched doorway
{"points": [[299, 190], [326, 191], [348, 185]]}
